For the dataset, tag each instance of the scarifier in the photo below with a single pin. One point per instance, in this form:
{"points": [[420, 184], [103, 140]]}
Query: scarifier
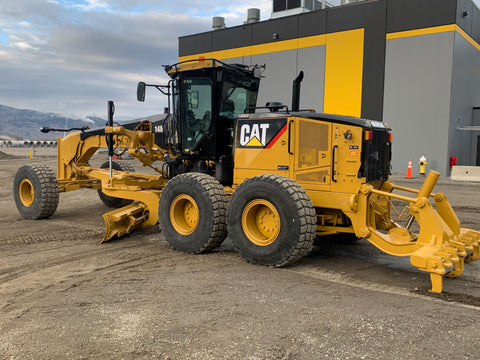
{"points": [[273, 178]]}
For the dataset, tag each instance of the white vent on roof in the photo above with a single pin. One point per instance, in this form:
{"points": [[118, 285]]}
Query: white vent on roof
{"points": [[218, 23], [253, 16]]}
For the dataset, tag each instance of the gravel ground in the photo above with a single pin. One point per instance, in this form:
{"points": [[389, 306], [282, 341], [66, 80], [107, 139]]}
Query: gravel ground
{"points": [[63, 295]]}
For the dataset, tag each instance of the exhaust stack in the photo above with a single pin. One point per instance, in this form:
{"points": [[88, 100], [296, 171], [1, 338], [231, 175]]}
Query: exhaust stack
{"points": [[296, 92]]}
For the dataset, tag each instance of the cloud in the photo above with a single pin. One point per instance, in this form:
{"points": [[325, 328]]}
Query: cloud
{"points": [[92, 5], [71, 56]]}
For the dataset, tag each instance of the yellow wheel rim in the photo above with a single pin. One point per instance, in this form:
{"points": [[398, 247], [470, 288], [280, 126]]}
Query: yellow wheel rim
{"points": [[26, 192], [261, 222], [184, 214]]}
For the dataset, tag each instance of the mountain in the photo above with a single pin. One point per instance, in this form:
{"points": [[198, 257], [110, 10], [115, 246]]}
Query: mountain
{"points": [[26, 124]]}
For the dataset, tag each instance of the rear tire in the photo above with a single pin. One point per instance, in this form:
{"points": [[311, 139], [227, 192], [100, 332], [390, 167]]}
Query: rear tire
{"points": [[192, 213], [271, 220], [110, 201], [35, 190]]}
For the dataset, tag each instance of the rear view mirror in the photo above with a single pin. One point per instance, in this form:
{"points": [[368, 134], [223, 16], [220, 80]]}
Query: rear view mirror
{"points": [[141, 91]]}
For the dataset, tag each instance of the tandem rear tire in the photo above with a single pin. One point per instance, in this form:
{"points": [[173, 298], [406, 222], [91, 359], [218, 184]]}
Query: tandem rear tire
{"points": [[35, 190], [271, 220], [192, 213], [110, 201]]}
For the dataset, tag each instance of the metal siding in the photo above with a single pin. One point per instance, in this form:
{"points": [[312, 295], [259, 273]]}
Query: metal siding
{"points": [[231, 38], [465, 21], [374, 62], [195, 44], [405, 15], [312, 62], [286, 28], [274, 87], [418, 79], [465, 96], [312, 23], [246, 60], [476, 24]]}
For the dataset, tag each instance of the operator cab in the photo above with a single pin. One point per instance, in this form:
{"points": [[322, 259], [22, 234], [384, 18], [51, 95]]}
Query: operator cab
{"points": [[205, 97]]}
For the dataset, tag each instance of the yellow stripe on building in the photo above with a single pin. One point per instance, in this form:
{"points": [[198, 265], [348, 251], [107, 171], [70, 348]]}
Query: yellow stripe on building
{"points": [[344, 73], [434, 30], [285, 45], [424, 31], [467, 37]]}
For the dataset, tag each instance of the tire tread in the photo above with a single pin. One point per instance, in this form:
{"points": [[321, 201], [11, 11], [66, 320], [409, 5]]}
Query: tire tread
{"points": [[44, 206], [306, 211]]}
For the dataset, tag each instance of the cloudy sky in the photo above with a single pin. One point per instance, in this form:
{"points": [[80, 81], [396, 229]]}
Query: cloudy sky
{"points": [[71, 56]]}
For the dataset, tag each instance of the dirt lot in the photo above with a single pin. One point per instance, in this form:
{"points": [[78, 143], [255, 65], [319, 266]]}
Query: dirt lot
{"points": [[62, 295]]}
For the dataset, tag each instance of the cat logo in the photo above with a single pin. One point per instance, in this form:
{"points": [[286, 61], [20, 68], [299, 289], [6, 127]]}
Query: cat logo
{"points": [[259, 134], [253, 135]]}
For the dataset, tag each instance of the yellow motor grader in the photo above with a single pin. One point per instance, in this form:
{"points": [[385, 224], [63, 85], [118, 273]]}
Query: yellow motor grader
{"points": [[272, 178]]}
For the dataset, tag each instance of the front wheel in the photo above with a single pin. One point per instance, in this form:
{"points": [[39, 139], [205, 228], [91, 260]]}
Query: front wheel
{"points": [[35, 190], [110, 201], [192, 212], [271, 220]]}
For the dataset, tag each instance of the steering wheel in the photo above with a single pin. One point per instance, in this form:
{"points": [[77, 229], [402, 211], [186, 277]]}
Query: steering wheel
{"points": [[205, 122]]}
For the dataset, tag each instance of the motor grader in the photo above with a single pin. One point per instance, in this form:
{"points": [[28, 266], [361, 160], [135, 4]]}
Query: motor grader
{"points": [[274, 179]]}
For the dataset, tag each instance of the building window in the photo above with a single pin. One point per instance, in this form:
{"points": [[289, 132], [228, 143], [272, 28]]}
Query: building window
{"points": [[293, 4], [279, 5]]}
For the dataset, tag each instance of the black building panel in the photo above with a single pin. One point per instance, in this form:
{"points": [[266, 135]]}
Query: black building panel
{"points": [[232, 38], [279, 5], [405, 15], [195, 44], [293, 4], [476, 25], [465, 15], [285, 29], [312, 23]]}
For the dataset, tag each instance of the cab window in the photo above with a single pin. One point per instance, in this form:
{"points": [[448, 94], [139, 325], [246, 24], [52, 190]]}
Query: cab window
{"points": [[196, 112]]}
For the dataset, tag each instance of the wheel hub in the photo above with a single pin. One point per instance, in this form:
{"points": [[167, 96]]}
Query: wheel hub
{"points": [[184, 214], [261, 222], [26, 192]]}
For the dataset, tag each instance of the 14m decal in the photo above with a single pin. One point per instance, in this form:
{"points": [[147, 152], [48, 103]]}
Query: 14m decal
{"points": [[259, 134]]}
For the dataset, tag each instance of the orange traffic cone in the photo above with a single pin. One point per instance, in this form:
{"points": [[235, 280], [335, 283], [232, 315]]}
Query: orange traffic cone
{"points": [[409, 170]]}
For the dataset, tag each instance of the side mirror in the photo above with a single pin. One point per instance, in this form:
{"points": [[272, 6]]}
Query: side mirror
{"points": [[141, 91]]}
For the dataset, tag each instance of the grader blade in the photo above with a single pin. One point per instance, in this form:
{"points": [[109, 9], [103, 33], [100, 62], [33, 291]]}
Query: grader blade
{"points": [[122, 221]]}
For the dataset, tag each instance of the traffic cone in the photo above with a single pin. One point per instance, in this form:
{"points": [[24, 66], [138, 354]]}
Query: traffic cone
{"points": [[409, 170]]}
